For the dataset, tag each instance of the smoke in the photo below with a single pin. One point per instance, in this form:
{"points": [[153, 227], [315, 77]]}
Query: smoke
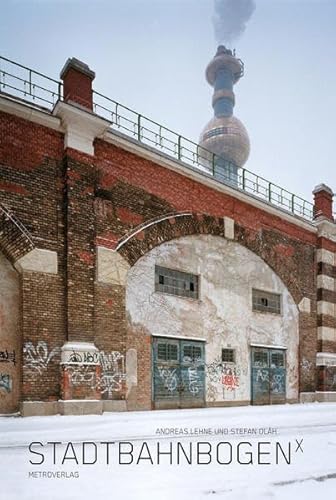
{"points": [[230, 19]]}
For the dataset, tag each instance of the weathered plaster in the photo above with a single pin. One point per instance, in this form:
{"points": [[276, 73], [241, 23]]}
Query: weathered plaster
{"points": [[111, 267], [223, 314], [10, 342]]}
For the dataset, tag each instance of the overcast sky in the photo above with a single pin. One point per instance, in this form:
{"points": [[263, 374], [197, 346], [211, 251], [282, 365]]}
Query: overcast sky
{"points": [[151, 56]]}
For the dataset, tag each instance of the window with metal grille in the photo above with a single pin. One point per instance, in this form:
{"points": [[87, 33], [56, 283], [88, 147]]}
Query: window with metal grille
{"points": [[260, 358], [176, 282], [277, 360], [228, 356], [192, 353], [167, 352], [266, 301]]}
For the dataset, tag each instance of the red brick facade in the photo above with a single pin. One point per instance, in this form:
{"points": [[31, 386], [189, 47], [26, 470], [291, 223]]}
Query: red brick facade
{"points": [[71, 202]]}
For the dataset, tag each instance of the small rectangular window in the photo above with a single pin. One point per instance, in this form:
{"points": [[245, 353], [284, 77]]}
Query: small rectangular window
{"points": [[167, 352], [260, 359], [266, 301], [192, 353], [277, 360], [176, 282], [228, 356]]}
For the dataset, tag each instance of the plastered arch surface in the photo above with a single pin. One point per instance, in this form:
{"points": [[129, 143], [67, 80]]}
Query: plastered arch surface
{"points": [[223, 315]]}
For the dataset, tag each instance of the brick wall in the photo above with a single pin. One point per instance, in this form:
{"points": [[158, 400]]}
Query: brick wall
{"points": [[31, 187], [72, 202]]}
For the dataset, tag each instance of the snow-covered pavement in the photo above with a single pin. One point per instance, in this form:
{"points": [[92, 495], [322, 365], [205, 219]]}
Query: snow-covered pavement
{"points": [[270, 437]]}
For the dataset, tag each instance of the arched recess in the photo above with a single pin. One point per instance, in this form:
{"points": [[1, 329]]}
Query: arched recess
{"points": [[147, 236], [223, 316], [15, 243]]}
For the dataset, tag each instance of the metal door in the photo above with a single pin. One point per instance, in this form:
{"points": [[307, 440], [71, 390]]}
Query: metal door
{"points": [[268, 376], [178, 373]]}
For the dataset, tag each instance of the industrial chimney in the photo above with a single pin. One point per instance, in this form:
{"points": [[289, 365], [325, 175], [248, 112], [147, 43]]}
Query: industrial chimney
{"points": [[224, 135]]}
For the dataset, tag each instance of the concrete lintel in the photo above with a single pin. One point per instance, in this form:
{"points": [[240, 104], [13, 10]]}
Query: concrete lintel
{"points": [[112, 268], [38, 260], [327, 308], [326, 333], [305, 305], [326, 228], [229, 228], [325, 359], [325, 256], [326, 282], [81, 126]]}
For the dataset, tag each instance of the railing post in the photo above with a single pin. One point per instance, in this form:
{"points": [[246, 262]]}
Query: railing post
{"points": [[270, 192], [293, 203], [139, 128], [243, 179], [179, 155], [213, 164], [30, 82]]}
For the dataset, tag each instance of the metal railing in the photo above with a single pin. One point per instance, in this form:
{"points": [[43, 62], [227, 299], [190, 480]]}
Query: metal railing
{"points": [[27, 84], [35, 87], [164, 140]]}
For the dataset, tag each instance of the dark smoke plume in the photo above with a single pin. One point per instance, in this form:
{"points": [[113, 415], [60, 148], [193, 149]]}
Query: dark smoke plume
{"points": [[230, 19]]}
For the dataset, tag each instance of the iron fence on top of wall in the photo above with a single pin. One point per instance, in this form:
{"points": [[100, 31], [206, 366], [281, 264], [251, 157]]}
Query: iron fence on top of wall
{"points": [[23, 82], [154, 135], [29, 85]]}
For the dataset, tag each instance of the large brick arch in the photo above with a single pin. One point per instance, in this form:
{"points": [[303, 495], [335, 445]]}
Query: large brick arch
{"points": [[288, 258], [15, 239]]}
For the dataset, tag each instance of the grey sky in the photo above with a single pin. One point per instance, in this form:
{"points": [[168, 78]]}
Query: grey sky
{"points": [[151, 56]]}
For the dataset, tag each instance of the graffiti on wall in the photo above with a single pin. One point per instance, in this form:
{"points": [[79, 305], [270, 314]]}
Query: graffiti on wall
{"points": [[195, 382], [262, 375], [5, 382], [230, 380], [226, 375], [169, 378], [84, 357], [278, 382], [81, 375], [37, 357], [307, 365], [113, 371], [8, 357]]}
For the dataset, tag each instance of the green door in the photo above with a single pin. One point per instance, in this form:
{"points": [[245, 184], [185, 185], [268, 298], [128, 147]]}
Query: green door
{"points": [[178, 373], [268, 376]]}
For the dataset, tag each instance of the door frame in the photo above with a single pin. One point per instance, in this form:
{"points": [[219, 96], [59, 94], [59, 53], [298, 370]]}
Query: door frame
{"points": [[182, 364], [269, 396]]}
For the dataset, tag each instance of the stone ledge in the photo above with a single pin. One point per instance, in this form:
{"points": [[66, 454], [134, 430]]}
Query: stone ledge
{"points": [[307, 397], [223, 404], [326, 397], [38, 408], [114, 405], [81, 407]]}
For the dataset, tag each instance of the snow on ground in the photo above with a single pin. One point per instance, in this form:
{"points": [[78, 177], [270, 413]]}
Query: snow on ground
{"points": [[310, 475]]}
